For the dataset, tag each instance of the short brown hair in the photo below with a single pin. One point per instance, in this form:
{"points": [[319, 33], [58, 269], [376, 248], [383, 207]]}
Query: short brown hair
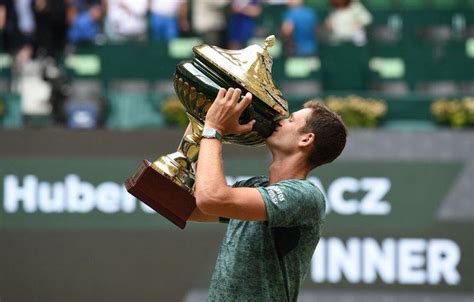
{"points": [[329, 130]]}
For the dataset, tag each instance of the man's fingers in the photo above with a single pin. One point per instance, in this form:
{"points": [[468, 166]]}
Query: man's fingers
{"points": [[236, 95], [221, 93], [247, 99], [229, 94], [246, 127]]}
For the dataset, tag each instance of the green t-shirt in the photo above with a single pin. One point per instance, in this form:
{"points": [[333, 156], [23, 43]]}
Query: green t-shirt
{"points": [[268, 261]]}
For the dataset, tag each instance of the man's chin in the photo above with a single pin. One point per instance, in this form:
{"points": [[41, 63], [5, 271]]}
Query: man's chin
{"points": [[270, 139]]}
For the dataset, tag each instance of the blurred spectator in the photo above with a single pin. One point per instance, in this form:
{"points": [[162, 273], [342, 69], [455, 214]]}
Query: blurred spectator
{"points": [[167, 18], [299, 29], [347, 21], [209, 21], [84, 18], [242, 22], [55, 78], [126, 19], [18, 25], [51, 27]]}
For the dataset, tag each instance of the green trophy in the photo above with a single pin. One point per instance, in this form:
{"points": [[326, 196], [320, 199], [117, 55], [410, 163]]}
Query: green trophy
{"points": [[166, 185]]}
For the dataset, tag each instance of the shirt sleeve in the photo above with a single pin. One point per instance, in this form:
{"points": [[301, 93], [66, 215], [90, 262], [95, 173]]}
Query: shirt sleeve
{"points": [[362, 14], [224, 220], [251, 182], [293, 202]]}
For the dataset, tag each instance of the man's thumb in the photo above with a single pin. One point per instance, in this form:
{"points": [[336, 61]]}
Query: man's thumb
{"points": [[247, 127]]}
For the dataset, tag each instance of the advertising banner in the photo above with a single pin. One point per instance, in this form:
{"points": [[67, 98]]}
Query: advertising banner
{"points": [[383, 229]]}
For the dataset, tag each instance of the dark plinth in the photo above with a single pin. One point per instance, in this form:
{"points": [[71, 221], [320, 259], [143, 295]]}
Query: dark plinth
{"points": [[161, 194]]}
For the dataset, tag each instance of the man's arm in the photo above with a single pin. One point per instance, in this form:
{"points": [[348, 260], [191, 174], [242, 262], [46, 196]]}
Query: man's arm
{"points": [[197, 215], [213, 196], [3, 16], [287, 29]]}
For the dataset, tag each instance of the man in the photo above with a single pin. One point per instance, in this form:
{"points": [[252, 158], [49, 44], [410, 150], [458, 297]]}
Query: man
{"points": [[167, 18], [209, 20], [242, 22], [84, 18], [347, 22], [299, 29], [275, 222], [126, 20]]}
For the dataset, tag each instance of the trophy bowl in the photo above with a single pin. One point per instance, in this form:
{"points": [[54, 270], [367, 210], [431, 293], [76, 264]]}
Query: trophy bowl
{"points": [[166, 184]]}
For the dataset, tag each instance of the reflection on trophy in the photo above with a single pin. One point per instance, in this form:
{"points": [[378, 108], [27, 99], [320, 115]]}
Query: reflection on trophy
{"points": [[166, 184]]}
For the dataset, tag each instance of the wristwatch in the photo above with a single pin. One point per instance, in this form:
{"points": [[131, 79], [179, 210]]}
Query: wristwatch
{"points": [[211, 133]]}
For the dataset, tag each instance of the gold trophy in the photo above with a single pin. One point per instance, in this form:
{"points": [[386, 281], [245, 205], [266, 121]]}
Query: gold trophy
{"points": [[166, 184]]}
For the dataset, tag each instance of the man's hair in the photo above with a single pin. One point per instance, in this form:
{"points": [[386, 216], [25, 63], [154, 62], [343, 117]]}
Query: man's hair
{"points": [[330, 133]]}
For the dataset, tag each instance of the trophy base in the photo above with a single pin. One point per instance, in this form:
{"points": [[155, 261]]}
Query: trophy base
{"points": [[161, 194]]}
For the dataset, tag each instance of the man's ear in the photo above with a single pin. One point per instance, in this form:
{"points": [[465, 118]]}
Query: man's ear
{"points": [[307, 139]]}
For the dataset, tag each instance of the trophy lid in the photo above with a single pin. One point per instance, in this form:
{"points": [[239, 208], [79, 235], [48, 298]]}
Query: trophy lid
{"points": [[250, 67]]}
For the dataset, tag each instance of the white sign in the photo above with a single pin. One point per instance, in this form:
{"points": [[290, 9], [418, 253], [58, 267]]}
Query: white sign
{"points": [[393, 261], [71, 196], [74, 195]]}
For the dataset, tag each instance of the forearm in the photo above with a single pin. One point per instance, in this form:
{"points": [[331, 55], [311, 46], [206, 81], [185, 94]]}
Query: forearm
{"points": [[2, 17], [287, 29], [198, 216], [215, 198], [210, 179], [183, 11]]}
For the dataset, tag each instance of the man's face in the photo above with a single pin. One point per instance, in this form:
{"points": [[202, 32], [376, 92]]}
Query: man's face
{"points": [[286, 135]]}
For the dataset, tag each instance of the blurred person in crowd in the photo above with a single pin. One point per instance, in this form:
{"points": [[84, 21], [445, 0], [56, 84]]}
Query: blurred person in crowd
{"points": [[126, 19], [51, 27], [242, 22], [84, 18], [209, 20], [168, 18], [17, 24], [274, 222], [299, 29], [347, 21]]}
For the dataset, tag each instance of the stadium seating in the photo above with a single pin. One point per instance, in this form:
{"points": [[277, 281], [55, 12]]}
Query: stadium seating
{"points": [[416, 48]]}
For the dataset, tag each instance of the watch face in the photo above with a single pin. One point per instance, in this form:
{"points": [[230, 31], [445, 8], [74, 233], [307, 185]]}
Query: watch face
{"points": [[209, 132]]}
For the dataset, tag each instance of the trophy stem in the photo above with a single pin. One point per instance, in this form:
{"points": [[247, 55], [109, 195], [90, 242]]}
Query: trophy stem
{"points": [[189, 145], [179, 166]]}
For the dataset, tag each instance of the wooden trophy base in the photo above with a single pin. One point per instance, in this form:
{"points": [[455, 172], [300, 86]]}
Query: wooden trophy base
{"points": [[161, 194]]}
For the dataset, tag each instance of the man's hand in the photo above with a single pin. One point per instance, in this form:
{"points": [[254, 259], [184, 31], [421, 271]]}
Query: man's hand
{"points": [[224, 113]]}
